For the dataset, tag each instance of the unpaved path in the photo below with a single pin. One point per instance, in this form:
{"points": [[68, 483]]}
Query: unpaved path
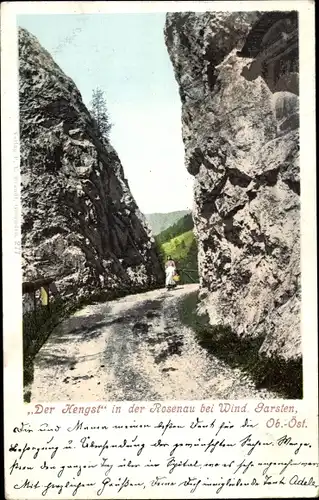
{"points": [[134, 348]]}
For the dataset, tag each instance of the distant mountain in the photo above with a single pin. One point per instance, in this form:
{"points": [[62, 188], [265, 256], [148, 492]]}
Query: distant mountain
{"points": [[159, 222]]}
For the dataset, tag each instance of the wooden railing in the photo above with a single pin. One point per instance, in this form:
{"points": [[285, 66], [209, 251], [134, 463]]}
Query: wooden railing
{"points": [[187, 271]]}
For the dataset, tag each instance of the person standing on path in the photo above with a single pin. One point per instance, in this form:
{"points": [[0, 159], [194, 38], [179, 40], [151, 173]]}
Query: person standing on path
{"points": [[170, 269]]}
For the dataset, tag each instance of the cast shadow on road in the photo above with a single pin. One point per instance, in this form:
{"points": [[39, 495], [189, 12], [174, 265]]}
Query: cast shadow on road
{"points": [[87, 327], [83, 330]]}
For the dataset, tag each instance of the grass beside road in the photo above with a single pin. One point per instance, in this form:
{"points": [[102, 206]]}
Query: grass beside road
{"points": [[219, 340]]}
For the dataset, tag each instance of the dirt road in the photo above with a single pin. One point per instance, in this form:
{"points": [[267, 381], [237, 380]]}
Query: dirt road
{"points": [[134, 348]]}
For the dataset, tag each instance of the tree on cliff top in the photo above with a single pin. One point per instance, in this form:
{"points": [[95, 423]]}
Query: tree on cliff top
{"points": [[100, 113]]}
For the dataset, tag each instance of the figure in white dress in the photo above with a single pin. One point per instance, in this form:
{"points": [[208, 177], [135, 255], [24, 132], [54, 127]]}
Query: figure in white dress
{"points": [[170, 270]]}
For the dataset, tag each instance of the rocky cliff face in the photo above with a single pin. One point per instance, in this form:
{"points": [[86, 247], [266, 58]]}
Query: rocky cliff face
{"points": [[238, 80], [80, 223]]}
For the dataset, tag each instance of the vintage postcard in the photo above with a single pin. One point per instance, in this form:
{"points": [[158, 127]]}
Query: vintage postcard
{"points": [[159, 255]]}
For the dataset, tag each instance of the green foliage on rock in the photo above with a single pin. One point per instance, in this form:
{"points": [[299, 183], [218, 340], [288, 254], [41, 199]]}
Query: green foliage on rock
{"points": [[100, 114]]}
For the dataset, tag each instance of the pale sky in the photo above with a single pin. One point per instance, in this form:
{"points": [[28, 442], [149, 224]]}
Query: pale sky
{"points": [[125, 55]]}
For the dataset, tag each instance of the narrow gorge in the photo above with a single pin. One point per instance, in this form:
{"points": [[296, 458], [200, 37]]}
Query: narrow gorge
{"points": [[234, 334], [237, 74]]}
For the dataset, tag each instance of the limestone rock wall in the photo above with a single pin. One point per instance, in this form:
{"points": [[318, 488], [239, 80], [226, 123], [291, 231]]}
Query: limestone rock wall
{"points": [[238, 80], [80, 223]]}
